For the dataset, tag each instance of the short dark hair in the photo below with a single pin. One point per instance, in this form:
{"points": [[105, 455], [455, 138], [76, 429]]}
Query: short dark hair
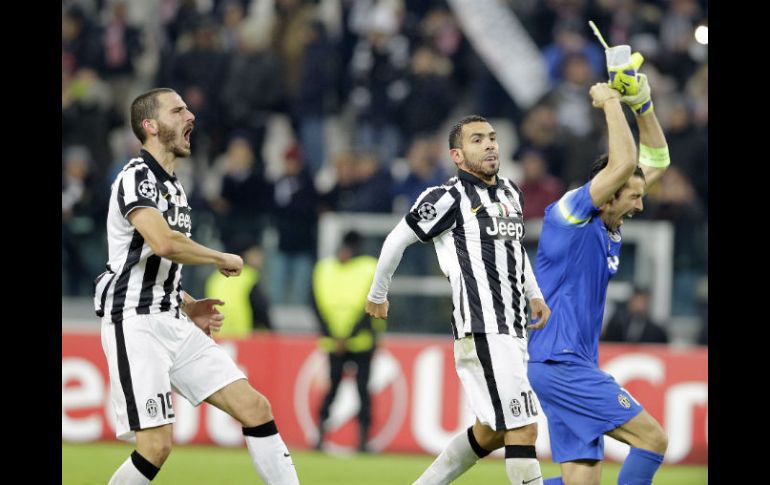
{"points": [[352, 240], [143, 107], [602, 162], [456, 133]]}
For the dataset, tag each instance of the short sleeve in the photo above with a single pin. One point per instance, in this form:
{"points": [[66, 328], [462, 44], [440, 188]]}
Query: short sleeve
{"points": [[434, 212], [137, 187]]}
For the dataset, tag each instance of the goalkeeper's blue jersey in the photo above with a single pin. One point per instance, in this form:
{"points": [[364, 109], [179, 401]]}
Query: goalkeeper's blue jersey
{"points": [[576, 257]]}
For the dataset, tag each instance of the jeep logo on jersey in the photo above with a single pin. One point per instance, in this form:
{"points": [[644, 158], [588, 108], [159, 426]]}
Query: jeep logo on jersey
{"points": [[180, 219], [503, 227]]}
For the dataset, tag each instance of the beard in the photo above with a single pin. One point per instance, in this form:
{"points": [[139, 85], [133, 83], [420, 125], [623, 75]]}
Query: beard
{"points": [[168, 137], [477, 166]]}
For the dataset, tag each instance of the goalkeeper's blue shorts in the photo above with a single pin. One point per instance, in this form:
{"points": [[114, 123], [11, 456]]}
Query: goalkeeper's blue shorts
{"points": [[581, 402]]}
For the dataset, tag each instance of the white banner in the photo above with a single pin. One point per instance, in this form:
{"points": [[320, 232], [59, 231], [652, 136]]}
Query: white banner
{"points": [[505, 46]]}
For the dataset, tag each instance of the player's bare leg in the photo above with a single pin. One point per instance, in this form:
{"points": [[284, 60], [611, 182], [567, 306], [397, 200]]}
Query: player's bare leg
{"points": [[648, 444], [153, 445], [461, 453], [478, 441], [268, 452], [580, 472]]}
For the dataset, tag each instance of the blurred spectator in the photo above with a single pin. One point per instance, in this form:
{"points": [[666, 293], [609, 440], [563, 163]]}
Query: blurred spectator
{"points": [[429, 99], [425, 170], [378, 70], [296, 219], [677, 38], [252, 88], [628, 21], [540, 130], [245, 196], [81, 204], [698, 89], [489, 97], [688, 145], [540, 189], [181, 17], [677, 202], [291, 33], [246, 308], [88, 117], [198, 76], [80, 38], [570, 38], [374, 185], [632, 323], [363, 185], [121, 44], [341, 197], [233, 13], [340, 286], [576, 117], [315, 96]]}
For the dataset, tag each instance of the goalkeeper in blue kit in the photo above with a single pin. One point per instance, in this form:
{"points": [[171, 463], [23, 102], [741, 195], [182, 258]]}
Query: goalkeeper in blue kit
{"points": [[577, 255]]}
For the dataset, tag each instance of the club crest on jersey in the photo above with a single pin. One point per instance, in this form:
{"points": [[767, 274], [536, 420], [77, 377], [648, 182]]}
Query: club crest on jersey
{"points": [[624, 401], [613, 262], [427, 211], [515, 408], [151, 407], [147, 189]]}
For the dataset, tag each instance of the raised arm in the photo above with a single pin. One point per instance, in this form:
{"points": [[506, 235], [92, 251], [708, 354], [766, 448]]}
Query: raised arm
{"points": [[653, 149], [622, 148]]}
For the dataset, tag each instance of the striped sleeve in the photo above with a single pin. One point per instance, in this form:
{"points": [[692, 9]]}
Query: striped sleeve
{"points": [[137, 187], [434, 212], [575, 208]]}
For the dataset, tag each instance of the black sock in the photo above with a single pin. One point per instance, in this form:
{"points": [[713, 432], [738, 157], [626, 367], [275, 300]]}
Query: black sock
{"points": [[145, 467]]}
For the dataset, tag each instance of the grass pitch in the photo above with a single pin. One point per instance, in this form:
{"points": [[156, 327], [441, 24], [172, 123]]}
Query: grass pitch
{"points": [[94, 463]]}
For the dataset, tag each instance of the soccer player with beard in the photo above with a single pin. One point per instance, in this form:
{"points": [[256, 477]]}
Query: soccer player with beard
{"points": [[475, 221], [155, 336], [577, 255]]}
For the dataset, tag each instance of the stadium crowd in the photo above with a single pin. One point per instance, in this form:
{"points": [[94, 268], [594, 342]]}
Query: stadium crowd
{"points": [[365, 89]]}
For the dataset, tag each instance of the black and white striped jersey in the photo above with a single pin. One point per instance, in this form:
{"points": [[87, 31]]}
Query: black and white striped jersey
{"points": [[138, 281], [477, 230]]}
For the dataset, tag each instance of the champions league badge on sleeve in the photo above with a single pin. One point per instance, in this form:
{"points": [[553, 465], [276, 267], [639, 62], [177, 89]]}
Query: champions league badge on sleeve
{"points": [[147, 189], [427, 211]]}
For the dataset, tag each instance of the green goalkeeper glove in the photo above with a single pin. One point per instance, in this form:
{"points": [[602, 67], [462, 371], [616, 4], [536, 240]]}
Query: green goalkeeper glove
{"points": [[624, 78], [641, 102]]}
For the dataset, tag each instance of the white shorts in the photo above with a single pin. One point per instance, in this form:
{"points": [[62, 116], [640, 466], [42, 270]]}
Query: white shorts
{"points": [[148, 355], [493, 372]]}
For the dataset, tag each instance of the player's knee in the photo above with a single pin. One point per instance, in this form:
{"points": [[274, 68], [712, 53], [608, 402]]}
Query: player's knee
{"points": [[658, 440], [263, 407], [156, 451], [492, 440], [526, 435], [257, 410], [653, 437]]}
